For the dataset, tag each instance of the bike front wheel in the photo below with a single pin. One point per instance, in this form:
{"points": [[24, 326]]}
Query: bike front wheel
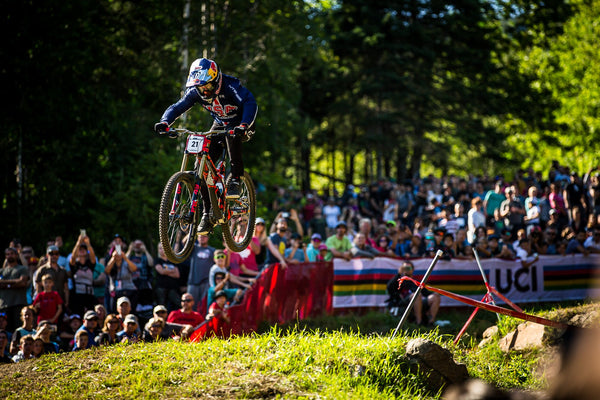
{"points": [[241, 216], [176, 224]]}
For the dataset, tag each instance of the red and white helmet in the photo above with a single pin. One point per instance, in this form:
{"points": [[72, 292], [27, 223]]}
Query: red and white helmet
{"points": [[205, 76]]}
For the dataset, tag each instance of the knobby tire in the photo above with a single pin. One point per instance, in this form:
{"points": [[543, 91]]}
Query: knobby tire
{"points": [[172, 229], [247, 201]]}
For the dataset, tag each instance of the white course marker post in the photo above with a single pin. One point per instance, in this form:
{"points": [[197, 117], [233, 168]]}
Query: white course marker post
{"points": [[438, 254]]}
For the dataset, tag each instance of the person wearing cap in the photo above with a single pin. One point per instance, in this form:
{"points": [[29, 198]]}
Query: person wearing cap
{"points": [[296, 253], [217, 313], [312, 250], [130, 332], [339, 244], [153, 330], [90, 323], [260, 237], [14, 279], [276, 244], [324, 253], [60, 276], [123, 308], [72, 323], [170, 329]]}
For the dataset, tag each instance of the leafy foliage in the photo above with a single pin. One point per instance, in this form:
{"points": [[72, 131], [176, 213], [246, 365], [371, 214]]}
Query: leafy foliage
{"points": [[348, 91]]}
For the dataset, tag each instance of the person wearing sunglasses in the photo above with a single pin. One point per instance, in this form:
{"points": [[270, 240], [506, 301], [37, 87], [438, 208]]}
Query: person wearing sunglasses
{"points": [[112, 326], [59, 275], [186, 314], [231, 105]]}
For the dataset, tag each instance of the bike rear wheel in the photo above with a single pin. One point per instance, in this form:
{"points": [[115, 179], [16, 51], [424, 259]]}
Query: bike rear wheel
{"points": [[241, 216], [177, 231]]}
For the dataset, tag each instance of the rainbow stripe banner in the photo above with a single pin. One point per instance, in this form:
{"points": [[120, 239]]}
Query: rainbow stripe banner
{"points": [[363, 282]]}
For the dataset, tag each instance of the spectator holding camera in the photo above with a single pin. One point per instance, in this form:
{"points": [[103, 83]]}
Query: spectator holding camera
{"points": [[82, 263], [45, 331], [296, 253], [120, 270]]}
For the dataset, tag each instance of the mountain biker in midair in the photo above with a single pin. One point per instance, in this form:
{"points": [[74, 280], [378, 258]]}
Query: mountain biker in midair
{"points": [[231, 105]]}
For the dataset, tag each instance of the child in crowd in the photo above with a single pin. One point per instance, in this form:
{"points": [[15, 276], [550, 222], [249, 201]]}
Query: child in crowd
{"points": [[38, 347], [48, 304], [81, 339], [25, 349], [218, 315], [218, 307], [324, 253]]}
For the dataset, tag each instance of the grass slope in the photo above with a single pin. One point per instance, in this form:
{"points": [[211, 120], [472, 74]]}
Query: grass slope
{"points": [[299, 361]]}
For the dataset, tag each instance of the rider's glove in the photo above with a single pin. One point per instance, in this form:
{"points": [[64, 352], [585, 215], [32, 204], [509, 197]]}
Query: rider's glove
{"points": [[161, 128], [240, 130]]}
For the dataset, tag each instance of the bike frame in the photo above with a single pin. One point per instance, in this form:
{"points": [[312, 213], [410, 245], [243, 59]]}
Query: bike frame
{"points": [[205, 170]]}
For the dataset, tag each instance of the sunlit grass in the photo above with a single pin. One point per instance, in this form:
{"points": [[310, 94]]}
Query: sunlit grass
{"points": [[343, 357]]}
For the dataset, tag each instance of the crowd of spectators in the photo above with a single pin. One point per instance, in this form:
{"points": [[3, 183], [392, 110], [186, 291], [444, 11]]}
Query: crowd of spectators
{"points": [[515, 217], [77, 300]]}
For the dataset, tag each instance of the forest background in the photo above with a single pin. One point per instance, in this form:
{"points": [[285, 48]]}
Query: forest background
{"points": [[349, 91]]}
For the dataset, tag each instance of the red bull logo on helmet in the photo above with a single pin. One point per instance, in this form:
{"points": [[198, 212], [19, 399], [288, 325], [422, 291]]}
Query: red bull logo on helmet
{"points": [[202, 71]]}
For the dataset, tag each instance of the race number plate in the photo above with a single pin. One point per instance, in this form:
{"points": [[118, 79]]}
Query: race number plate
{"points": [[194, 144]]}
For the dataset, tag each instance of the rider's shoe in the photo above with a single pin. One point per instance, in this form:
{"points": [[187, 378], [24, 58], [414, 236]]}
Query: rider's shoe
{"points": [[205, 225], [233, 188]]}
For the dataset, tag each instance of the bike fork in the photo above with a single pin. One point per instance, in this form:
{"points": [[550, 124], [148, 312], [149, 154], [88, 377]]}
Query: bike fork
{"points": [[176, 199], [194, 205]]}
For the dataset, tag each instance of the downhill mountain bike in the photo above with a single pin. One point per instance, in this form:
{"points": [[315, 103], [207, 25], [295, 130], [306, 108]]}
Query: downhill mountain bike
{"points": [[179, 213]]}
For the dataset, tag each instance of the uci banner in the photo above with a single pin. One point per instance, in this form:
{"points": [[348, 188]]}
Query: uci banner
{"points": [[363, 282]]}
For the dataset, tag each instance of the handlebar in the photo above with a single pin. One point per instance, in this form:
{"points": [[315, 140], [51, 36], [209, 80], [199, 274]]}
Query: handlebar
{"points": [[214, 133]]}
